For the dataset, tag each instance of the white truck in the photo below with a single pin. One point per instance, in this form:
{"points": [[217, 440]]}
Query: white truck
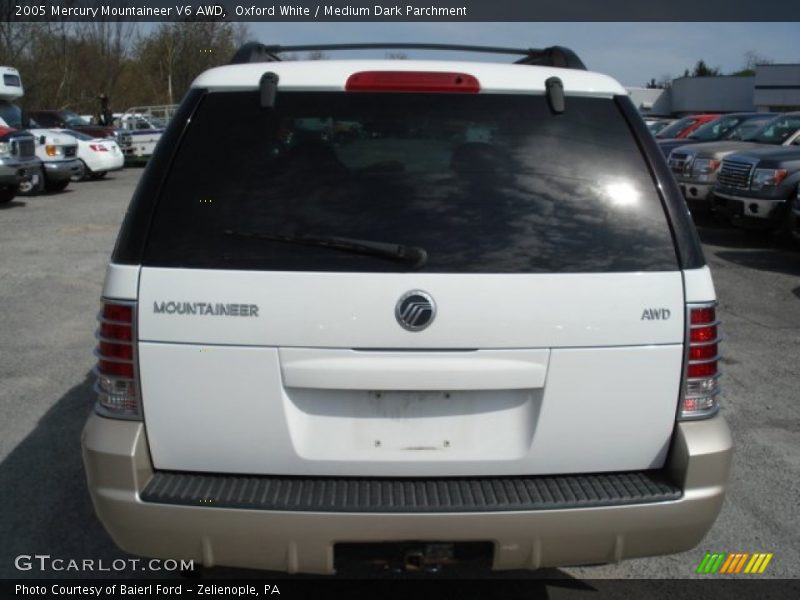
{"points": [[145, 124], [56, 151], [18, 161]]}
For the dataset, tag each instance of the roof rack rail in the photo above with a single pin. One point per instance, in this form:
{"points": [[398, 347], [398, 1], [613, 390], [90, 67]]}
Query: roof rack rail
{"points": [[553, 56]]}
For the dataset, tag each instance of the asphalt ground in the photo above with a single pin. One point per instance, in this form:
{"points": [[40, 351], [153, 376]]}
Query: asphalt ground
{"points": [[53, 250]]}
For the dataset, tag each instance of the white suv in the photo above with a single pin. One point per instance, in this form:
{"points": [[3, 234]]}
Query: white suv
{"points": [[424, 308]]}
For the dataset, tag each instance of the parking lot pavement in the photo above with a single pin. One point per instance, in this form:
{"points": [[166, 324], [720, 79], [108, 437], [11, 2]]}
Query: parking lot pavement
{"points": [[54, 249]]}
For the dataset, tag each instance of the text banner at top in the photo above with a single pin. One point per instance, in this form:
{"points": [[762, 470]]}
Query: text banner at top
{"points": [[405, 11]]}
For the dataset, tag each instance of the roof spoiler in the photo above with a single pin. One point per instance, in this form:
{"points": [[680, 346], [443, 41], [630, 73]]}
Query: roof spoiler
{"points": [[553, 56]]}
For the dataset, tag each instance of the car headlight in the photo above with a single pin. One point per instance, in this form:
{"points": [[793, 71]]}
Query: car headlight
{"points": [[684, 163], [5, 149], [704, 168], [767, 178]]}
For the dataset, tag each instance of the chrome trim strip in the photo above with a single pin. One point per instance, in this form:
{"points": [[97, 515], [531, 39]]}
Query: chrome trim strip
{"points": [[716, 340], [698, 415], [700, 361], [701, 325], [107, 340], [96, 372], [113, 359], [694, 379], [102, 319], [714, 392], [104, 412]]}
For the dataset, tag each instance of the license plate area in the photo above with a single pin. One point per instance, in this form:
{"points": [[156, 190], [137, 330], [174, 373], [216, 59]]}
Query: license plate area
{"points": [[413, 556], [412, 425]]}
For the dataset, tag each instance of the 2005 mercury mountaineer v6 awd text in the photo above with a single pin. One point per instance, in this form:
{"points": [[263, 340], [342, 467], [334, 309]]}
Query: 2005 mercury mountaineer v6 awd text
{"points": [[454, 306]]}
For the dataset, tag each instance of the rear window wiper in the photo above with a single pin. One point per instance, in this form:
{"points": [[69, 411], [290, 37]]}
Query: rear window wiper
{"points": [[414, 255]]}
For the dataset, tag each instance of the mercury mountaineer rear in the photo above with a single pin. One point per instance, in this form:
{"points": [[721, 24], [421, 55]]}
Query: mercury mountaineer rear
{"points": [[448, 309]]}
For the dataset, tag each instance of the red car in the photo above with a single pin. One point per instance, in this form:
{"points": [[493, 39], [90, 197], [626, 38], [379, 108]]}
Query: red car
{"points": [[683, 127]]}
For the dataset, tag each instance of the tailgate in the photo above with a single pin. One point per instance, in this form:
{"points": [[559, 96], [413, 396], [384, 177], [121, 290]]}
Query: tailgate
{"points": [[556, 374]]}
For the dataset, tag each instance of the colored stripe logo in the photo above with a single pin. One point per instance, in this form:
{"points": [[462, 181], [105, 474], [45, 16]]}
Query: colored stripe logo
{"points": [[734, 563]]}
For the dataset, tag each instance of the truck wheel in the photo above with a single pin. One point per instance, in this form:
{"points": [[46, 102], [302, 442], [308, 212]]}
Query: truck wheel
{"points": [[7, 194], [98, 175], [25, 187], [56, 186], [28, 188]]}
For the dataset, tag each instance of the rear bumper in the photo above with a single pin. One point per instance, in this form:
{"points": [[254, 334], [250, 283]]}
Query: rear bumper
{"points": [[118, 469], [107, 161]]}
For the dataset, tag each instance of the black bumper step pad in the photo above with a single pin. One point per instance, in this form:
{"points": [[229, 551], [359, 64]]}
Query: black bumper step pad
{"points": [[409, 495]]}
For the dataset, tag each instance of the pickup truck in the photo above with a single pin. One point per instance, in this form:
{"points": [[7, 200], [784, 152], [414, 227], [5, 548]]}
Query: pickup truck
{"points": [[144, 126], [696, 166], [18, 162], [756, 188]]}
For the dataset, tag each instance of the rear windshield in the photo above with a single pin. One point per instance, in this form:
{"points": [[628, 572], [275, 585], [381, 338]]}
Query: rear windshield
{"points": [[481, 183]]}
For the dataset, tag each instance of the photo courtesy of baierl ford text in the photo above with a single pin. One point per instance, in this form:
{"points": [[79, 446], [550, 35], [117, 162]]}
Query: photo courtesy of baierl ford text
{"points": [[442, 298]]}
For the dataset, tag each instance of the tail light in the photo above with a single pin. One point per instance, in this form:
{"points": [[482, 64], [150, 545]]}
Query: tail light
{"points": [[412, 81], [117, 378], [701, 382]]}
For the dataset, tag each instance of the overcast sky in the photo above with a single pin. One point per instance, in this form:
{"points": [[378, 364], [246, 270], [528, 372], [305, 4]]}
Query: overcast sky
{"points": [[630, 52]]}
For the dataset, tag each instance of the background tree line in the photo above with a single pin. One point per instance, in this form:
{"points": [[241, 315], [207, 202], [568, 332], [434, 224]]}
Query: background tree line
{"points": [[66, 65], [751, 60]]}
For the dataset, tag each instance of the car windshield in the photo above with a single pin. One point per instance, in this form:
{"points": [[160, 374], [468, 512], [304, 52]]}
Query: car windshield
{"points": [[483, 183], [11, 114], [747, 129], [777, 130], [715, 130], [673, 129], [74, 120]]}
